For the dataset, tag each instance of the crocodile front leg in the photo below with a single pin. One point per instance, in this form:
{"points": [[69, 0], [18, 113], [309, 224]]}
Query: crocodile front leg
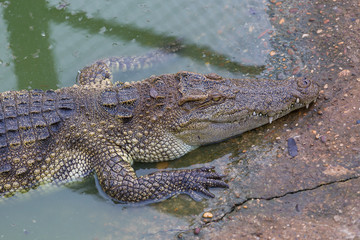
{"points": [[118, 180]]}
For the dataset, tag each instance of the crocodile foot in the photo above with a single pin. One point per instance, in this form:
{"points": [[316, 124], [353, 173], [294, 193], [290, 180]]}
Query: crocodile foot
{"points": [[197, 181]]}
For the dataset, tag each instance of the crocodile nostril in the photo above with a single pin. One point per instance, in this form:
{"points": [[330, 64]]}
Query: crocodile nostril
{"points": [[303, 82]]}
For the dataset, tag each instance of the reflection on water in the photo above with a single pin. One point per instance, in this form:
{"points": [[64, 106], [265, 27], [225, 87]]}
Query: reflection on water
{"points": [[47, 42]]}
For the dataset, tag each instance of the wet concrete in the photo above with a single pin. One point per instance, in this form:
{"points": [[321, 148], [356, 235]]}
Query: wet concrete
{"points": [[316, 194]]}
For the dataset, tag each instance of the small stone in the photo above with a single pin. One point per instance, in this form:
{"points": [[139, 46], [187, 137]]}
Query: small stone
{"points": [[197, 231], [326, 86], [282, 21], [327, 96], [344, 73], [358, 122], [352, 139], [337, 218], [292, 147], [293, 10], [323, 139], [208, 215], [296, 70], [272, 53]]}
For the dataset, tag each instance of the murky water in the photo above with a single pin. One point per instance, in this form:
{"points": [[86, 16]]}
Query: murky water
{"points": [[45, 43]]}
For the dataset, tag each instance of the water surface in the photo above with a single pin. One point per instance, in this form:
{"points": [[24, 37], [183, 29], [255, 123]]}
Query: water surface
{"points": [[45, 43]]}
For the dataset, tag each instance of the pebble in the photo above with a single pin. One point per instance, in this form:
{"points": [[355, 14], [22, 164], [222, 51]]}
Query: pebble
{"points": [[208, 215], [344, 73], [197, 231], [323, 139], [337, 218], [293, 10], [358, 122], [296, 70], [292, 147], [290, 51]]}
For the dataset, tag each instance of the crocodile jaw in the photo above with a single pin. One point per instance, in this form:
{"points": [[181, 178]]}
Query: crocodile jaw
{"points": [[215, 131]]}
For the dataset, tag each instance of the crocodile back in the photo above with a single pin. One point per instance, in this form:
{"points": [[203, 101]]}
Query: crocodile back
{"points": [[28, 119], [30, 116]]}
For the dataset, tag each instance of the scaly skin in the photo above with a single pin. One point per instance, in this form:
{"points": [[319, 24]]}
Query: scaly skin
{"points": [[103, 127]]}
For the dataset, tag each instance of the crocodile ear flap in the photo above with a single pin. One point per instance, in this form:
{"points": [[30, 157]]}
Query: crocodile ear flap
{"points": [[191, 87], [121, 102]]}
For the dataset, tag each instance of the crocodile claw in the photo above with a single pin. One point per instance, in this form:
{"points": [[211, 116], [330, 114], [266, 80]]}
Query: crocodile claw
{"points": [[200, 179]]}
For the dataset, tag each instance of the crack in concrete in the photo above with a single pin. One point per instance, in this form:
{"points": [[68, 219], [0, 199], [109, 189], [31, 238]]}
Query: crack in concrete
{"points": [[233, 208], [278, 196]]}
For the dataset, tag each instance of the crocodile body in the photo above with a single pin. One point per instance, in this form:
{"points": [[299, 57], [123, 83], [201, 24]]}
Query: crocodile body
{"points": [[103, 127]]}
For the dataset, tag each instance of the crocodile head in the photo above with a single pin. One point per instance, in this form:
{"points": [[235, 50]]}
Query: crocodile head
{"points": [[214, 108]]}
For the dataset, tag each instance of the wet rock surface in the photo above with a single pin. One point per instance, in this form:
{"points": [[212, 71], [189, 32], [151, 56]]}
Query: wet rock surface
{"points": [[315, 194]]}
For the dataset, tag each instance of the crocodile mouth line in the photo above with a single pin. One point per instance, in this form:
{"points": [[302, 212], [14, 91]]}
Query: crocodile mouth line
{"points": [[237, 116]]}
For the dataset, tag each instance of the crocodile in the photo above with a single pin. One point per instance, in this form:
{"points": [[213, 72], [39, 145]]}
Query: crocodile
{"points": [[101, 127]]}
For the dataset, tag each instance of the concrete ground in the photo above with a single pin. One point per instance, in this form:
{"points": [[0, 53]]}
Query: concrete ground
{"points": [[316, 194]]}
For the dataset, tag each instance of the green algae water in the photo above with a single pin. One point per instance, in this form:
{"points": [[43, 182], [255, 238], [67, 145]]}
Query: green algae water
{"points": [[46, 43]]}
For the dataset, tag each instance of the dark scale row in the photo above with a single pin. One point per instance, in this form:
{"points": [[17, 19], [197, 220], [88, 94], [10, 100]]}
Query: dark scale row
{"points": [[28, 116], [119, 102]]}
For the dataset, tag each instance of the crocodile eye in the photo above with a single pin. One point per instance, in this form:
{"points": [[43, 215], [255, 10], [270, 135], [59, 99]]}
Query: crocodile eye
{"points": [[303, 82], [216, 98]]}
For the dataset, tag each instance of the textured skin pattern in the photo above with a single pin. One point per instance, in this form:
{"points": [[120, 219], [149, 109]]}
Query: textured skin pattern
{"points": [[100, 74], [62, 135], [28, 119]]}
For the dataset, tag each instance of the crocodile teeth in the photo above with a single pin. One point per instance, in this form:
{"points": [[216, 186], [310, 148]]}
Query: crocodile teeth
{"points": [[307, 105], [297, 100], [254, 113], [271, 119]]}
